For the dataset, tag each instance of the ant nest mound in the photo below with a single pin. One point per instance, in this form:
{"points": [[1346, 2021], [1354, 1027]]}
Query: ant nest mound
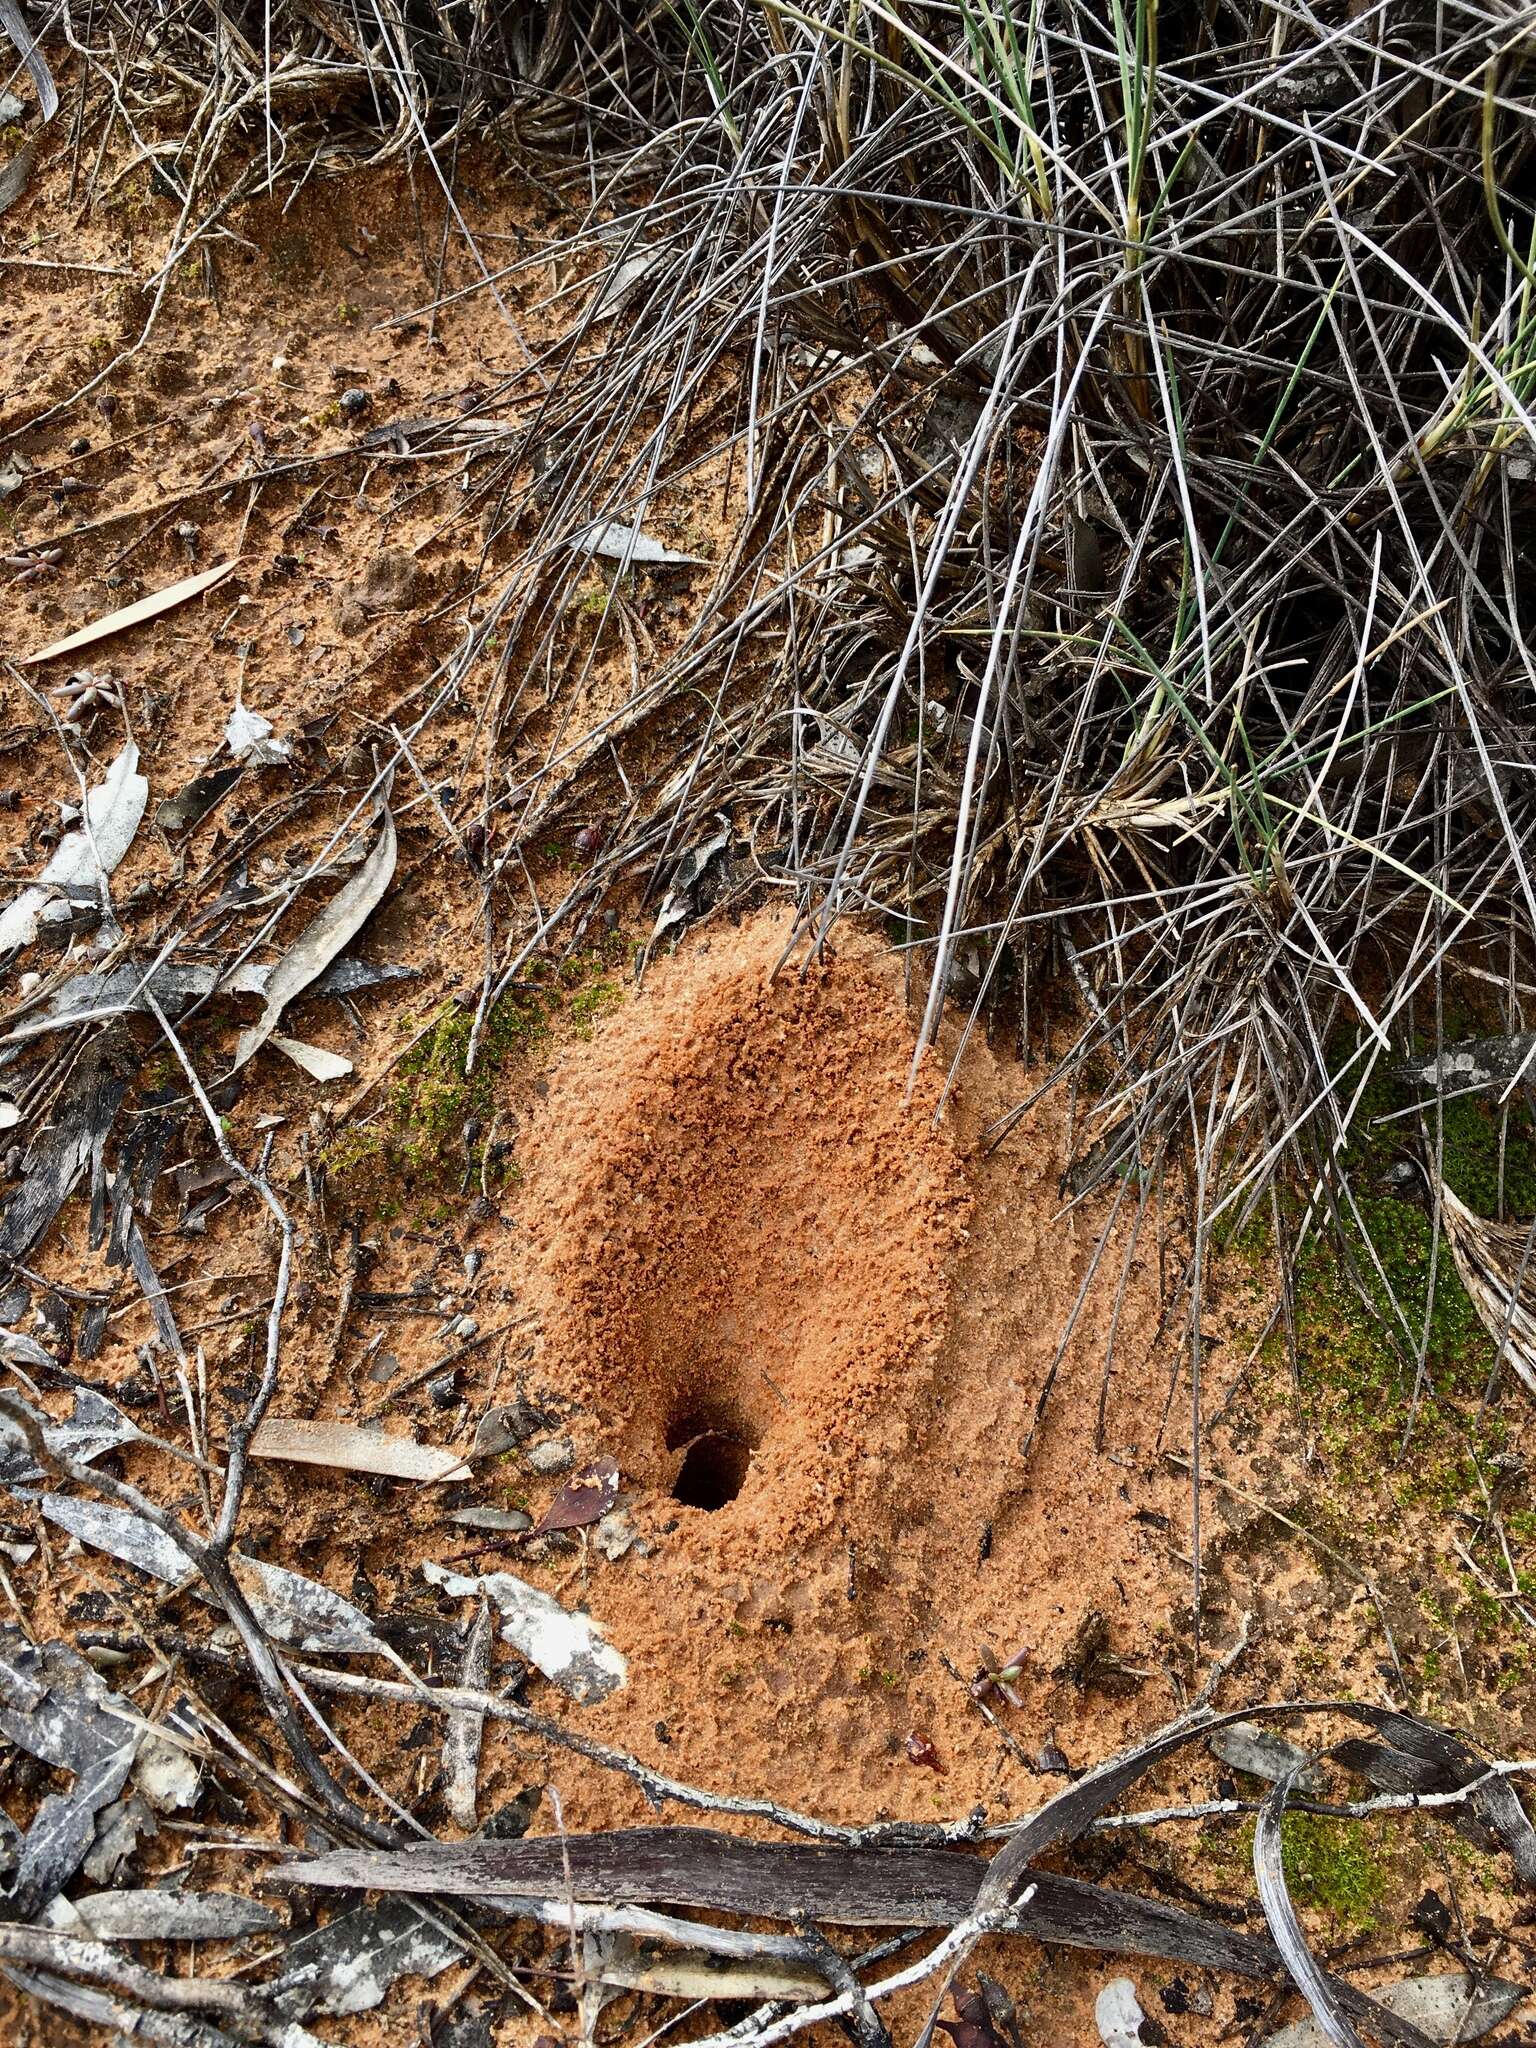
{"points": [[743, 1229]]}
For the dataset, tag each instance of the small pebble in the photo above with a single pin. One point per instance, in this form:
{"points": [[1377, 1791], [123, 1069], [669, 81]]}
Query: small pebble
{"points": [[614, 1535], [505, 1521], [555, 1454]]}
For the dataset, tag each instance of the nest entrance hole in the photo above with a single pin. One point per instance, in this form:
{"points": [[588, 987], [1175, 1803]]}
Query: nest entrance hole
{"points": [[717, 1449]]}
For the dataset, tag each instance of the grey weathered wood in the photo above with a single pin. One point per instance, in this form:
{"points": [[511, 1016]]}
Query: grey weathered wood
{"points": [[875, 1887]]}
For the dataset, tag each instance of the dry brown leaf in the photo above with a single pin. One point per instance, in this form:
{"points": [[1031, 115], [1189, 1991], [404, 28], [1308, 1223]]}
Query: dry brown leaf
{"points": [[582, 1500], [135, 614]]}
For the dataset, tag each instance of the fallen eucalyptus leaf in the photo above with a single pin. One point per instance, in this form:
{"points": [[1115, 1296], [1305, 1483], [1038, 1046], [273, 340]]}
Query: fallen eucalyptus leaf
{"points": [[347, 1448], [313, 1060], [92, 1428], [678, 904], [56, 1708], [619, 280], [1118, 2015], [81, 860], [349, 1964], [298, 1612], [135, 614], [172, 1916], [570, 1649], [13, 21], [73, 1139], [501, 1429], [63, 1831], [1474, 1063], [583, 1500], [499, 1521], [1450, 2007], [191, 805], [248, 736], [120, 1828], [1263, 1754], [168, 1776], [617, 543], [174, 985], [321, 940], [16, 1348], [120, 1534]]}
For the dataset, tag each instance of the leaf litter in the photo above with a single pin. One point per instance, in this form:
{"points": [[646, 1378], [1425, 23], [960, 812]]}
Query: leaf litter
{"points": [[85, 858], [568, 1647]]}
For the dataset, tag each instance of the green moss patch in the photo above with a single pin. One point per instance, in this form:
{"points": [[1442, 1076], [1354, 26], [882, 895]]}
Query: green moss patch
{"points": [[429, 1138], [1337, 1867]]}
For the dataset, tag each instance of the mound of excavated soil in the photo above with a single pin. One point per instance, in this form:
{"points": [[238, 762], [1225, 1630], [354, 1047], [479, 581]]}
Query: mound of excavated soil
{"points": [[746, 1232], [813, 1326]]}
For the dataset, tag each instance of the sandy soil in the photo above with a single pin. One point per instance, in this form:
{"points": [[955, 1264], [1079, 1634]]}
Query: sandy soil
{"points": [[742, 1227], [725, 1248]]}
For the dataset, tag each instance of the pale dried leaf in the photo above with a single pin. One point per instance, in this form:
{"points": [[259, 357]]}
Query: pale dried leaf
{"points": [[628, 544], [134, 614], [248, 736], [1118, 2015], [120, 1534], [345, 1447], [349, 1964], [1449, 2007], [113, 809], [296, 1611], [1262, 1754], [13, 21], [321, 940], [93, 1427], [314, 1060], [570, 1649], [172, 1916]]}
